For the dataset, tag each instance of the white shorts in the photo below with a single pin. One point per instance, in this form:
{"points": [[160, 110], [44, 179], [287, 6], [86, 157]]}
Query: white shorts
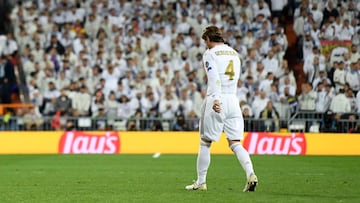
{"points": [[229, 120]]}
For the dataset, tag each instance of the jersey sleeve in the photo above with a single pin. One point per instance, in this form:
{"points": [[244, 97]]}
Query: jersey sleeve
{"points": [[214, 81]]}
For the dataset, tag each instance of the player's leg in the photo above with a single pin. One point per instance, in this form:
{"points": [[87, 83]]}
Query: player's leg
{"points": [[234, 132], [210, 130], [246, 163], [202, 165]]}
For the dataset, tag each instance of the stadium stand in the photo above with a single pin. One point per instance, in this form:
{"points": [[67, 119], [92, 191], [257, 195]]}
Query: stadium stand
{"points": [[136, 64]]}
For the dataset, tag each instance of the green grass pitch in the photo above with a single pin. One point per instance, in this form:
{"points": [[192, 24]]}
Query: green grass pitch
{"points": [[141, 178]]}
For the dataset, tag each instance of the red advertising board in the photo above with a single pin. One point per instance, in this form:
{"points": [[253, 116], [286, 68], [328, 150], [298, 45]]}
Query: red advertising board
{"points": [[271, 143], [78, 142]]}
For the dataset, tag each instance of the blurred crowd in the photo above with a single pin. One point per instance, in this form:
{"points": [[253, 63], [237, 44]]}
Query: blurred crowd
{"points": [[126, 59]]}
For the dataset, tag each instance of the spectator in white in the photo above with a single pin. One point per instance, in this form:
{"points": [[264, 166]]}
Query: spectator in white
{"points": [[59, 16], [140, 82], [183, 26], [260, 73], [35, 96], [125, 108], [281, 71], [249, 40], [240, 47], [111, 105], [308, 45], [338, 52], [287, 84], [33, 120], [259, 103], [340, 104], [299, 23], [163, 40], [195, 49], [262, 7], [316, 13], [74, 14], [150, 63], [78, 72], [81, 102], [114, 17], [355, 55], [92, 25], [271, 64], [132, 64], [273, 93], [339, 76], [46, 78], [244, 7], [337, 27], [199, 24], [246, 109], [312, 69], [31, 11], [324, 97], [8, 45], [353, 76], [327, 31], [320, 78], [37, 52], [242, 91], [121, 90], [137, 101], [347, 31], [185, 103], [97, 102], [315, 34], [289, 100], [22, 37], [147, 39], [277, 8], [265, 85], [345, 14], [151, 101], [118, 62], [350, 96], [50, 97], [196, 98], [310, 59], [29, 65], [281, 37], [62, 81], [307, 97], [264, 33], [168, 106], [94, 77], [80, 43], [111, 76]]}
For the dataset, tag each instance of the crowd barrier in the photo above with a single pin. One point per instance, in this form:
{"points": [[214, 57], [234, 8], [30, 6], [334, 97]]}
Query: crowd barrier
{"points": [[117, 142]]}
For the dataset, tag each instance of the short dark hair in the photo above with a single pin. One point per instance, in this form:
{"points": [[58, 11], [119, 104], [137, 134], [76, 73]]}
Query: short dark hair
{"points": [[213, 33]]}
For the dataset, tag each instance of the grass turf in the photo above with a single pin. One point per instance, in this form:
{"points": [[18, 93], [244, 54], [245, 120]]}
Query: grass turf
{"points": [[140, 178]]}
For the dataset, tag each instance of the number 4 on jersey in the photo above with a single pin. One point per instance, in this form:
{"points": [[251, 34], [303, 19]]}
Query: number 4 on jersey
{"points": [[230, 70]]}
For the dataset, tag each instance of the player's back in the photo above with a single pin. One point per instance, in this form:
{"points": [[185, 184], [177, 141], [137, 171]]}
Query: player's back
{"points": [[228, 64]]}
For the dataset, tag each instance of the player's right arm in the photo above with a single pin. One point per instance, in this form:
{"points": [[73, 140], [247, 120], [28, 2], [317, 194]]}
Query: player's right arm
{"points": [[214, 82]]}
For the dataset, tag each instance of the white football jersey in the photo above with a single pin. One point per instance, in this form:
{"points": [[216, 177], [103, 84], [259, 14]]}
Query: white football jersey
{"points": [[222, 65]]}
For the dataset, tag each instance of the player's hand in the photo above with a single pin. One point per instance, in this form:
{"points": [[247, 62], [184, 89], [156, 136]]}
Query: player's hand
{"points": [[216, 106]]}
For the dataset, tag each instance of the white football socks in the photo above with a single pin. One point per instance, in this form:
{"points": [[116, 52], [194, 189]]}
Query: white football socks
{"points": [[243, 157], [203, 161]]}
